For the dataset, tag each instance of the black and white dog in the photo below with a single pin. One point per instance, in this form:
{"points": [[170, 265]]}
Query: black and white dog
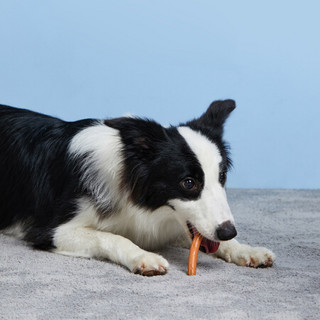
{"points": [[113, 189]]}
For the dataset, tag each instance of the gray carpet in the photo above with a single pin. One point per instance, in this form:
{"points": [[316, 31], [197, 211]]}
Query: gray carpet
{"points": [[41, 285]]}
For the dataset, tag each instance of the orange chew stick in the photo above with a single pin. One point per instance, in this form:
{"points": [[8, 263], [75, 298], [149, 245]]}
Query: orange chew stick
{"points": [[193, 254]]}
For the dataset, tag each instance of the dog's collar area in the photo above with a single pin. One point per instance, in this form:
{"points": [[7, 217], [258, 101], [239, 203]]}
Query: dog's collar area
{"points": [[208, 246]]}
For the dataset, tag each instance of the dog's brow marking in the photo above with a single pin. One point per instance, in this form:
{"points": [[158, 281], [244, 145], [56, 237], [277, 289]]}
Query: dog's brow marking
{"points": [[207, 152]]}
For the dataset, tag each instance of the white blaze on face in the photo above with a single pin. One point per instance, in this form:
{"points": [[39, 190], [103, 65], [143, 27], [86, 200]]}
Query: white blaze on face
{"points": [[211, 209]]}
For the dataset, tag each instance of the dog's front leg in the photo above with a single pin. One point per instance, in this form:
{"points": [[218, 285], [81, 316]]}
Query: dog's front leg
{"points": [[245, 255], [91, 243]]}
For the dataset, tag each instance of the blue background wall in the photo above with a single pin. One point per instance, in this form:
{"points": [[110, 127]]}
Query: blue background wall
{"points": [[168, 60]]}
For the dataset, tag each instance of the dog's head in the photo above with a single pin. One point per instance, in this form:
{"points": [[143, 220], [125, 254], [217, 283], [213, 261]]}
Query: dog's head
{"points": [[184, 168]]}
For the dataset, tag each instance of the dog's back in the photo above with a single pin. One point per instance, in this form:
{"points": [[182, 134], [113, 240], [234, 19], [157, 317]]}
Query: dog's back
{"points": [[35, 176]]}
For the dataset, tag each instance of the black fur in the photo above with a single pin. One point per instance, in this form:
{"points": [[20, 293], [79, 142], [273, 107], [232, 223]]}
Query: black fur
{"points": [[38, 184]]}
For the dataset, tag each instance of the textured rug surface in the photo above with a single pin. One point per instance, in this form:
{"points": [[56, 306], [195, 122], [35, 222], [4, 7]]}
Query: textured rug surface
{"points": [[41, 285]]}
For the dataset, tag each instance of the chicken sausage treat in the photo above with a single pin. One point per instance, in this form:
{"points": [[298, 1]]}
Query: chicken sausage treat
{"points": [[193, 254]]}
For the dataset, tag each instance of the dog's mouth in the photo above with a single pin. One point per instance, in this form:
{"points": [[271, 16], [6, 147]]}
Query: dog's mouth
{"points": [[207, 245]]}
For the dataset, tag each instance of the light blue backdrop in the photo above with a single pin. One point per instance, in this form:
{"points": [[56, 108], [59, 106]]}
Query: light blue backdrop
{"points": [[168, 60]]}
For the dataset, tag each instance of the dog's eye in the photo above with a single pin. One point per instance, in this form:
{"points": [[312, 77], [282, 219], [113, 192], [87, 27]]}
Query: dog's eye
{"points": [[188, 184], [222, 177]]}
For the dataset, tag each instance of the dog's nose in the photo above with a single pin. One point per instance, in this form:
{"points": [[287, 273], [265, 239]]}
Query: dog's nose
{"points": [[226, 231]]}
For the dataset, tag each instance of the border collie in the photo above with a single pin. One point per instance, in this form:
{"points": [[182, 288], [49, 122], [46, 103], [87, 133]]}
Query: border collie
{"points": [[114, 189]]}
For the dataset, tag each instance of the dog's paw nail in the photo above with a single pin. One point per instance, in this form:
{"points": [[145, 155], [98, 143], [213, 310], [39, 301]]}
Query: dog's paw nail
{"points": [[144, 271], [151, 265], [151, 273], [267, 263], [262, 261]]}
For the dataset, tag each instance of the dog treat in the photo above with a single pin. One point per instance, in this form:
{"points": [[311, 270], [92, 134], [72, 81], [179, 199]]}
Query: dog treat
{"points": [[193, 254]]}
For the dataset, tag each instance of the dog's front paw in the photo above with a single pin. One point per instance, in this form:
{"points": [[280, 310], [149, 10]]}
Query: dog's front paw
{"points": [[254, 257], [244, 255], [150, 264]]}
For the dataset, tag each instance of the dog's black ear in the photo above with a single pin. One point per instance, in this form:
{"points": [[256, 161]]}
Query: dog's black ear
{"points": [[217, 113], [140, 135], [215, 116]]}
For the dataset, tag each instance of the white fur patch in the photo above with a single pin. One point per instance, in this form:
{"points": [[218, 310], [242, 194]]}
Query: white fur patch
{"points": [[212, 208], [101, 148]]}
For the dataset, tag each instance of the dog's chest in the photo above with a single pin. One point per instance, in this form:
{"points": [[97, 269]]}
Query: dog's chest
{"points": [[149, 230]]}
